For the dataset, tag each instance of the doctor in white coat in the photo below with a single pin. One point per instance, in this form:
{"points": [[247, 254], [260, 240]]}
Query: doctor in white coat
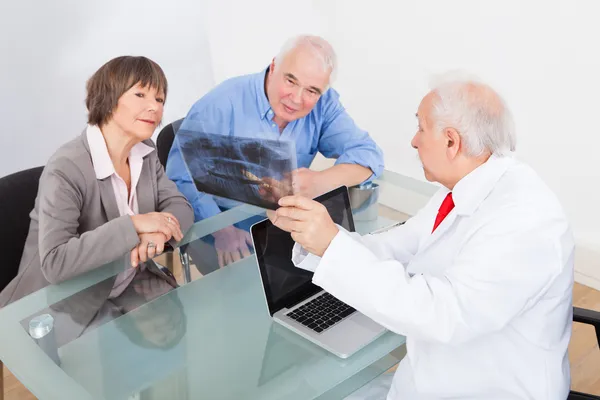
{"points": [[479, 281]]}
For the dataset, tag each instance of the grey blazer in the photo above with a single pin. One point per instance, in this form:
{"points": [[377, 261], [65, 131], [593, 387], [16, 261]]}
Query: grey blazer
{"points": [[75, 224]]}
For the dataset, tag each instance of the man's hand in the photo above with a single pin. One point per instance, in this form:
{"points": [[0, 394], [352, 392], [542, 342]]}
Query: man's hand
{"points": [[304, 182], [308, 183], [151, 245], [307, 221], [272, 190], [232, 244]]}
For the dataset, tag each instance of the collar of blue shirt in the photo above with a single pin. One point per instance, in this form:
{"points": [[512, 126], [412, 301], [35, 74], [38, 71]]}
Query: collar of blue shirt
{"points": [[261, 97]]}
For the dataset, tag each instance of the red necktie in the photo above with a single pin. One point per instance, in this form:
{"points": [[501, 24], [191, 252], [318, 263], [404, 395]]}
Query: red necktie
{"points": [[445, 208]]}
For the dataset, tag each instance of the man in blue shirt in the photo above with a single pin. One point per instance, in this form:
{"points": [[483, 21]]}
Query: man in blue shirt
{"points": [[291, 100]]}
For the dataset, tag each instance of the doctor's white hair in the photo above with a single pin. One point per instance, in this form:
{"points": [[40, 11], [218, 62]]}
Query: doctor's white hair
{"points": [[319, 46], [476, 111]]}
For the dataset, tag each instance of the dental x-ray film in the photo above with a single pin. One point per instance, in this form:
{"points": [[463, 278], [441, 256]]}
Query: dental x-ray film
{"points": [[250, 170]]}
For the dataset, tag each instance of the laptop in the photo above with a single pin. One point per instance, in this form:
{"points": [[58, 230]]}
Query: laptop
{"points": [[295, 302]]}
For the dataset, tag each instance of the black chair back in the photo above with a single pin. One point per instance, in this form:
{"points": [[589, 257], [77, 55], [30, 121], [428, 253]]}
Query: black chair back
{"points": [[581, 396], [17, 199], [164, 141], [588, 317]]}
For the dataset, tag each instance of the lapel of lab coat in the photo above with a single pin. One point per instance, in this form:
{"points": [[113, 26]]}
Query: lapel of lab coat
{"points": [[468, 194], [439, 232]]}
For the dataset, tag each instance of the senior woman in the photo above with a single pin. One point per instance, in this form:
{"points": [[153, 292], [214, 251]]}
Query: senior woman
{"points": [[104, 195]]}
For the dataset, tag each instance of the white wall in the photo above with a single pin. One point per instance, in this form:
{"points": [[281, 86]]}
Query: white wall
{"points": [[49, 50], [540, 55], [244, 36]]}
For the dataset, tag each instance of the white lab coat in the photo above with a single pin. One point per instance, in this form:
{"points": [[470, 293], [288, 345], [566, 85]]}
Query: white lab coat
{"points": [[485, 301]]}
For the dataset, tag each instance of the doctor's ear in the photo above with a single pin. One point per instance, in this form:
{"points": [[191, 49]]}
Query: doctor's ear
{"points": [[452, 136], [453, 143]]}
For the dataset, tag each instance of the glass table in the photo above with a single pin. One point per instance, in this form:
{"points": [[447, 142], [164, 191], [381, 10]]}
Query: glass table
{"points": [[211, 338]]}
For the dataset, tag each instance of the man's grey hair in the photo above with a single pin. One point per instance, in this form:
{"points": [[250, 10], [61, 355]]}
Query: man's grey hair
{"points": [[319, 46], [476, 111]]}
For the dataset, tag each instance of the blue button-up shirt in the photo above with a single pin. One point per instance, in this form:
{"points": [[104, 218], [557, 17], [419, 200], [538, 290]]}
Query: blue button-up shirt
{"points": [[239, 107]]}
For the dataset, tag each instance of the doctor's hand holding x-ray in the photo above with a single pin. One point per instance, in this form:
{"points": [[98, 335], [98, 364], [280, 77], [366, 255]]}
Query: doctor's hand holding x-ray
{"points": [[479, 281], [308, 221]]}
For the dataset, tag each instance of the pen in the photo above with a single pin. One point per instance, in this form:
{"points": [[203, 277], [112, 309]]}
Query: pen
{"points": [[386, 228]]}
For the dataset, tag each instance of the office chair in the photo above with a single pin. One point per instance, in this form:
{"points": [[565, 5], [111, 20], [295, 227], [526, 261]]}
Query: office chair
{"points": [[164, 141], [588, 317], [17, 199]]}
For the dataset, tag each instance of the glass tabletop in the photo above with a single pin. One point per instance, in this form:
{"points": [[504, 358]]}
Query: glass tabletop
{"points": [[210, 338]]}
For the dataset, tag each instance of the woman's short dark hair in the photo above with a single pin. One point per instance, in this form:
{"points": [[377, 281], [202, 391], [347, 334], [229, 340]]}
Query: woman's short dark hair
{"points": [[116, 77]]}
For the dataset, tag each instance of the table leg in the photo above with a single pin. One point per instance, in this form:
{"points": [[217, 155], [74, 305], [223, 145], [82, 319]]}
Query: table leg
{"points": [[185, 263]]}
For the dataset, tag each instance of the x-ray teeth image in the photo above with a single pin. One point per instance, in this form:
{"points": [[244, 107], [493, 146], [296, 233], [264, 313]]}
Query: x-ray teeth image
{"points": [[250, 170]]}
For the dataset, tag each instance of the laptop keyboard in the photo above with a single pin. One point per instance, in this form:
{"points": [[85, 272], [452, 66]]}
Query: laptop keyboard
{"points": [[321, 312]]}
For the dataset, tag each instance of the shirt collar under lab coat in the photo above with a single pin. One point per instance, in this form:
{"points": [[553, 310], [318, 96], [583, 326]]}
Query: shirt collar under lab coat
{"points": [[471, 190]]}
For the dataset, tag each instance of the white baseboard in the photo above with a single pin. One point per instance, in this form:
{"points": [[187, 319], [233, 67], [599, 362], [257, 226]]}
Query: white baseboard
{"points": [[587, 280], [587, 266]]}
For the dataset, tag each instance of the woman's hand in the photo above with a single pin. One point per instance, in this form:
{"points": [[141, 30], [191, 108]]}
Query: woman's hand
{"points": [[151, 245], [158, 222]]}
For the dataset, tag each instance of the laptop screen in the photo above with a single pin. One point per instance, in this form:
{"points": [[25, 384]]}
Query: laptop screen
{"points": [[283, 283]]}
